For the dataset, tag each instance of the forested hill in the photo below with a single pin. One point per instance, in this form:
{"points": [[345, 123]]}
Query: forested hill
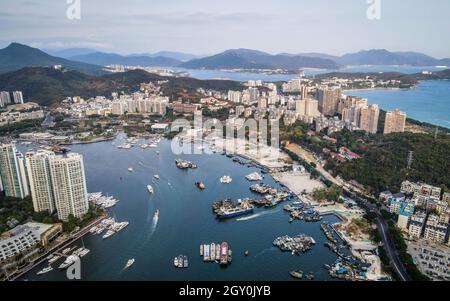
{"points": [[46, 86]]}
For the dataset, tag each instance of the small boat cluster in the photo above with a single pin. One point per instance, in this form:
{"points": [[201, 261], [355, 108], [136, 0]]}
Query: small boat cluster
{"points": [[181, 261], [254, 177], [328, 230], [216, 252], [226, 180], [76, 255], [111, 227], [153, 142], [102, 201], [183, 164], [296, 245], [272, 196], [298, 274], [300, 211], [227, 208]]}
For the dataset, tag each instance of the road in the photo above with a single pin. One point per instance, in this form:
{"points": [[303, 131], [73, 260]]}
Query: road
{"points": [[388, 244]]}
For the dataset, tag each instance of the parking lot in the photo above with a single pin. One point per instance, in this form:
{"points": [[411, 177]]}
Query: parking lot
{"points": [[432, 260]]}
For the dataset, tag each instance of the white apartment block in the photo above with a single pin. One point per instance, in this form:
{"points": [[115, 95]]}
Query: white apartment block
{"points": [[17, 241], [41, 187], [12, 172], [69, 185]]}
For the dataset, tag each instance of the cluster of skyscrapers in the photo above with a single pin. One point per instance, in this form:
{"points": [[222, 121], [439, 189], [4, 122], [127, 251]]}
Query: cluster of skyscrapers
{"points": [[5, 98], [56, 183]]}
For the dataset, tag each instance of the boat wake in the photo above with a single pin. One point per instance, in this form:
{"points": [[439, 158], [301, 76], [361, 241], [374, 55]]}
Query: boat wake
{"points": [[265, 251], [246, 218]]}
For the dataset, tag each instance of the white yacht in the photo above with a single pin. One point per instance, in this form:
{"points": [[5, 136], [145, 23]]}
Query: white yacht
{"points": [[130, 262], [150, 188], [45, 270], [130, 169]]}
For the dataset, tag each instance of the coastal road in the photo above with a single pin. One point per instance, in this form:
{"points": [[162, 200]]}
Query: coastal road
{"points": [[389, 246]]}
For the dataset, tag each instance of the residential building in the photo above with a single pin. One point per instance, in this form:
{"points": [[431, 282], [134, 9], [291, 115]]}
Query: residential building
{"points": [[12, 172], [328, 100], [417, 224], [369, 118], [435, 231], [41, 186], [69, 185], [395, 122], [5, 99], [18, 97]]}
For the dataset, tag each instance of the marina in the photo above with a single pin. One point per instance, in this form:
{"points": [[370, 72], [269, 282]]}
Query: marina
{"points": [[190, 222]]}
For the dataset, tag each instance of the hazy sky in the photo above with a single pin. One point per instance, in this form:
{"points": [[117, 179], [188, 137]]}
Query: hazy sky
{"points": [[211, 26]]}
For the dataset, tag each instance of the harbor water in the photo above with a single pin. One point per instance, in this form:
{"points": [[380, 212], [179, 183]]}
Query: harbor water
{"points": [[185, 221]]}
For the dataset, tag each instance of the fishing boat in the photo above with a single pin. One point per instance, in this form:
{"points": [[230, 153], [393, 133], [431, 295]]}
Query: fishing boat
{"points": [[45, 270], [213, 251], [201, 250], [218, 252], [130, 262], [297, 274], [185, 262], [206, 256], [150, 189], [180, 261], [224, 253], [175, 261]]}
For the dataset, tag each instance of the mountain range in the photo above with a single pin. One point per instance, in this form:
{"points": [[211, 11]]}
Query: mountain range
{"points": [[89, 61], [17, 56], [104, 59]]}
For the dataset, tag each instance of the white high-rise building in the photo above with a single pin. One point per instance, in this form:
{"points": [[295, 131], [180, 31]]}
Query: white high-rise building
{"points": [[12, 172], [5, 99], [41, 187], [18, 97], [69, 185]]}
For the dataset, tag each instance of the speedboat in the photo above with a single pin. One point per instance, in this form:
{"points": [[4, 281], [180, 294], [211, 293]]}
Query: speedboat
{"points": [[156, 177], [150, 188], [130, 262], [130, 169], [45, 270]]}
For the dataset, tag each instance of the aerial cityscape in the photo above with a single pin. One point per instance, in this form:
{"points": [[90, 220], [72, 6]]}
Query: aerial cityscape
{"points": [[161, 162]]}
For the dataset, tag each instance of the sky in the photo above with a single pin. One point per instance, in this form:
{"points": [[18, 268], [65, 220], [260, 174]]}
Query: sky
{"points": [[211, 26]]}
